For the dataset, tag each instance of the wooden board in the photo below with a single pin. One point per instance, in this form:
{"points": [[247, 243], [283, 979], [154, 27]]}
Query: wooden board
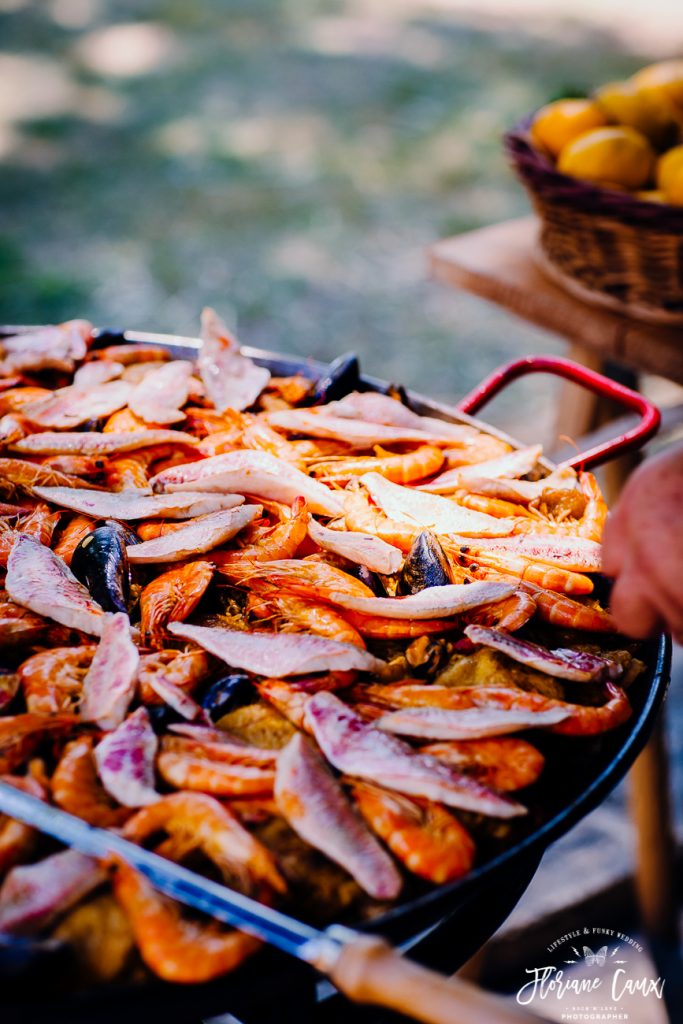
{"points": [[497, 263]]}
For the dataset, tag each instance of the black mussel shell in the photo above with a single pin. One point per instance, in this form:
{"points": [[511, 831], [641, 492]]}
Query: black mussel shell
{"points": [[228, 693], [127, 533], [109, 336], [93, 424], [21, 956], [369, 578], [341, 378], [161, 716], [101, 563], [426, 565]]}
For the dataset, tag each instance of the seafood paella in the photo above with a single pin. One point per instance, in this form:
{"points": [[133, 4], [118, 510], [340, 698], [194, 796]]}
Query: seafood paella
{"points": [[291, 634]]}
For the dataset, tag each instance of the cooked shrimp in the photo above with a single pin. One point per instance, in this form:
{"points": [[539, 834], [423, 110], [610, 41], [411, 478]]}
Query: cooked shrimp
{"points": [[21, 734], [127, 472], [20, 475], [400, 469], [17, 624], [76, 787], [201, 821], [173, 596], [361, 516], [200, 774], [427, 838], [13, 399], [17, 840], [245, 430], [52, 681], [504, 763], [78, 527], [125, 421], [75, 465], [292, 614], [480, 563], [580, 720], [184, 669], [497, 507], [560, 610], [377, 627], [41, 523], [316, 580], [278, 542], [174, 948], [510, 614]]}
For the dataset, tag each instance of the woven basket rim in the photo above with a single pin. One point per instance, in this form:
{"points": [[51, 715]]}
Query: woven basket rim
{"points": [[541, 176]]}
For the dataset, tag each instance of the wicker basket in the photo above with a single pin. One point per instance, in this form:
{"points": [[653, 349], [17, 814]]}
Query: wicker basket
{"points": [[607, 247]]}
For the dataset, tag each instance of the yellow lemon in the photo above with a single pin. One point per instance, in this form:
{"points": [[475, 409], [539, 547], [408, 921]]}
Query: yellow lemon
{"points": [[670, 175], [558, 123], [609, 156], [645, 110], [665, 78], [669, 167]]}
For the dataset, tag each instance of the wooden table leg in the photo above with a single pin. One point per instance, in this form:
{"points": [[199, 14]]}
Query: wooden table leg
{"points": [[650, 803], [577, 407]]}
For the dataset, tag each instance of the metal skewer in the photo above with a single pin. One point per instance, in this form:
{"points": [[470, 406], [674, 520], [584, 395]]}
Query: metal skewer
{"points": [[363, 967]]}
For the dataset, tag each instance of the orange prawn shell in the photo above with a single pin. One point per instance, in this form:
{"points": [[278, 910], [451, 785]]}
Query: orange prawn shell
{"points": [[428, 839]]}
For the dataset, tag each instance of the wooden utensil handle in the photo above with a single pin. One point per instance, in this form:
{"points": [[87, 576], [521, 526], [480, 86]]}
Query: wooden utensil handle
{"points": [[370, 971]]}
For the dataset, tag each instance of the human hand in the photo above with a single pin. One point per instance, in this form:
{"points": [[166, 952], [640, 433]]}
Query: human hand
{"points": [[643, 548]]}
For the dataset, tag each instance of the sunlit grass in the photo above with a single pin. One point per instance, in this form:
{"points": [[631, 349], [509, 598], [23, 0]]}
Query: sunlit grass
{"points": [[284, 160]]}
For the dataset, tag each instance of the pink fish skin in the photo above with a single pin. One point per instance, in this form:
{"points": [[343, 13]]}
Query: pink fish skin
{"points": [[432, 602], [161, 394], [578, 666], [129, 505], [222, 745], [53, 347], [125, 761], [232, 381], [277, 654], [60, 442], [177, 699], [39, 580], [466, 724], [314, 804], [316, 423], [195, 537], [575, 554], [362, 548], [514, 464], [249, 472], [67, 408], [360, 750], [99, 371], [431, 511], [34, 895], [109, 684], [373, 407]]}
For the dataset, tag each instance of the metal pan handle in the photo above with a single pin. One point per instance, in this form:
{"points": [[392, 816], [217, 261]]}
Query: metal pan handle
{"points": [[631, 440]]}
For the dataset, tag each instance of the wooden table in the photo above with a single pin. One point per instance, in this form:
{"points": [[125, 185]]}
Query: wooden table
{"points": [[497, 263]]}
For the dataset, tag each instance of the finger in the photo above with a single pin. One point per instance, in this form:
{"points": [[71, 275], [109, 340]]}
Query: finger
{"points": [[634, 613], [613, 547]]}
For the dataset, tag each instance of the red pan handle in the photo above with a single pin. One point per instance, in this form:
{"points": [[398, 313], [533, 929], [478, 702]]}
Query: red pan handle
{"points": [[631, 440]]}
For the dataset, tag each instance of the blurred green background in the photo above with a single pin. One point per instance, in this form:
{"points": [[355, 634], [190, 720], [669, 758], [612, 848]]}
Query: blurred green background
{"points": [[283, 160]]}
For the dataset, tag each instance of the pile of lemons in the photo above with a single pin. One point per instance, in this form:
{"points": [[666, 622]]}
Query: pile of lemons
{"points": [[627, 136]]}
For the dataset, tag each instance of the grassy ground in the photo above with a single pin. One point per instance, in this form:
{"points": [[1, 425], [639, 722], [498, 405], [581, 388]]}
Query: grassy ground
{"points": [[283, 160]]}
